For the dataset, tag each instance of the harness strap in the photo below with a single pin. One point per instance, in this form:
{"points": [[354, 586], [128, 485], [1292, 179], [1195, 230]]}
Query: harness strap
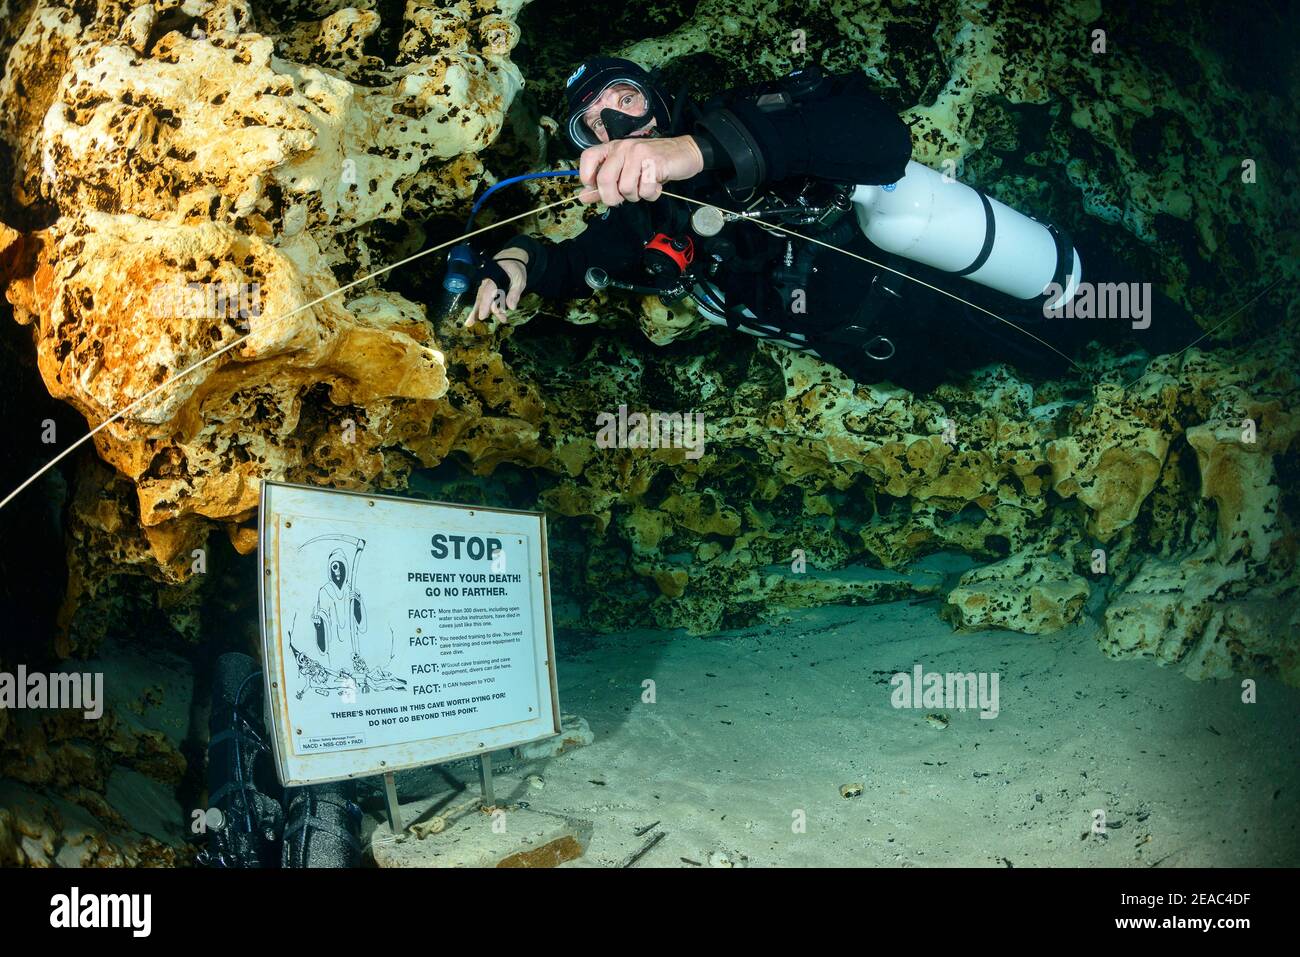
{"points": [[1064, 255], [240, 734], [990, 233]]}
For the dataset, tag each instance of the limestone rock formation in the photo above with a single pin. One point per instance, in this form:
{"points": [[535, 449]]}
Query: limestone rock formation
{"points": [[214, 181], [187, 178], [1033, 594]]}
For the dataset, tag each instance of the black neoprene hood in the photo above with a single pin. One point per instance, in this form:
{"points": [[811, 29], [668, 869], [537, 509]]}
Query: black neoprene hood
{"points": [[592, 78]]}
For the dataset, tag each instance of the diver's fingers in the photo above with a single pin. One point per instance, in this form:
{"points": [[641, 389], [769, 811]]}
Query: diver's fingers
{"points": [[512, 297], [482, 303], [649, 187], [607, 178], [498, 305], [517, 272], [589, 196], [590, 161], [629, 179]]}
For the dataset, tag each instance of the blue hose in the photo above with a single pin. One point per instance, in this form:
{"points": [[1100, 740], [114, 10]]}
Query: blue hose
{"points": [[461, 265]]}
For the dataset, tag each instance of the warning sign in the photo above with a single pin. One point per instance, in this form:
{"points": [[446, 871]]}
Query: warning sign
{"points": [[399, 632]]}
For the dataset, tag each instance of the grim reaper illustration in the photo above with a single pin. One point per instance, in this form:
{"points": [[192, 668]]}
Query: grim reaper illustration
{"points": [[336, 662], [340, 612]]}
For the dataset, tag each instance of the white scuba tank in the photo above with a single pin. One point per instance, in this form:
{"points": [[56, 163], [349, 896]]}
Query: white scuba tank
{"points": [[935, 220]]}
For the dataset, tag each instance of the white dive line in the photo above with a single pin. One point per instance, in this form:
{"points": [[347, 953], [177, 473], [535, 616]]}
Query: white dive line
{"points": [[451, 242], [1249, 302], [766, 225], [235, 342]]}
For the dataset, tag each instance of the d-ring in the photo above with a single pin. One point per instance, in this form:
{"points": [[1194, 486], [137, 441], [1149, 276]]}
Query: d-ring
{"points": [[872, 343]]}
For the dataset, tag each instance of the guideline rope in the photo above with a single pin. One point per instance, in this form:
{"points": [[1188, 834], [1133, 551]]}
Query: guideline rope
{"points": [[125, 410]]}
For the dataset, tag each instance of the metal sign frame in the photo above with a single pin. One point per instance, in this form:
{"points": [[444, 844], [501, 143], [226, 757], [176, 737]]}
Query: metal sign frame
{"points": [[282, 501]]}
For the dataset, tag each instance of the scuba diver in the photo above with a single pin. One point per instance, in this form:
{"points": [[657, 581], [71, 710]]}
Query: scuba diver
{"points": [[826, 157]]}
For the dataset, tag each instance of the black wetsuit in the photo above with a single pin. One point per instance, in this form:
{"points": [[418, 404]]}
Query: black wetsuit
{"points": [[842, 132]]}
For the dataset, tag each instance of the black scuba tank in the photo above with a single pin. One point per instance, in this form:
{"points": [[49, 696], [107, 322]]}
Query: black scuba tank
{"points": [[322, 826], [242, 784]]}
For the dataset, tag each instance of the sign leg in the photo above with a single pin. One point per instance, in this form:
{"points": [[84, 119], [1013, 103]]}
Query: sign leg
{"points": [[394, 810], [485, 780]]}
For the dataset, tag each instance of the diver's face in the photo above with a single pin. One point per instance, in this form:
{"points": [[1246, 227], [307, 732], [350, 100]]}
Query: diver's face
{"points": [[622, 97], [337, 573]]}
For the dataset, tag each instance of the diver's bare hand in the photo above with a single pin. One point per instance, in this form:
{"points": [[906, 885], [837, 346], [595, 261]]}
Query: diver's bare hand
{"points": [[636, 168], [490, 299]]}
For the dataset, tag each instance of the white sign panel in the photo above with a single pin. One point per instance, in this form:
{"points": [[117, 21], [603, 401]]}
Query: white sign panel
{"points": [[398, 633]]}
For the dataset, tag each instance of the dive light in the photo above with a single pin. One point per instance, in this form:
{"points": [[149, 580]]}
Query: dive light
{"points": [[462, 267], [462, 264]]}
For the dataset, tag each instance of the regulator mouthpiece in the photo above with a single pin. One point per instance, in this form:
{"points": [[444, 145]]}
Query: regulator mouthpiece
{"points": [[597, 278]]}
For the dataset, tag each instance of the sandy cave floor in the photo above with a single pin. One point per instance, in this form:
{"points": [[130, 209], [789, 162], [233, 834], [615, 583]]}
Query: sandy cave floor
{"points": [[751, 725]]}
